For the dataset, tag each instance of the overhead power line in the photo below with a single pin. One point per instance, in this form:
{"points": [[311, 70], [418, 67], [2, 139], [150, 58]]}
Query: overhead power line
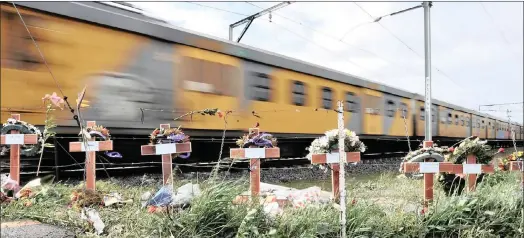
{"points": [[401, 41], [334, 38], [218, 9], [501, 33], [286, 29]]}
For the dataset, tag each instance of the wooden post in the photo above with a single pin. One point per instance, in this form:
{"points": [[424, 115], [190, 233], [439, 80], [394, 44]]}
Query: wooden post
{"points": [[518, 166], [431, 168], [254, 155], [166, 150], [15, 139], [90, 162], [332, 160]]}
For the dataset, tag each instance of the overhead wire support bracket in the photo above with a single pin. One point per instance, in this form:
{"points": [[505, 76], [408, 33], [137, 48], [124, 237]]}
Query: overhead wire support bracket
{"points": [[251, 18]]}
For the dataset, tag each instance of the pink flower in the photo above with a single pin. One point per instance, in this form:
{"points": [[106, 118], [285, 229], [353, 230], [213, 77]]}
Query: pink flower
{"points": [[451, 149], [55, 99], [501, 150]]}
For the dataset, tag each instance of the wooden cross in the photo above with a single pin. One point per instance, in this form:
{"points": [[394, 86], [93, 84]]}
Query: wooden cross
{"points": [[166, 150], [15, 139], [254, 155], [333, 159], [92, 147], [471, 169]]}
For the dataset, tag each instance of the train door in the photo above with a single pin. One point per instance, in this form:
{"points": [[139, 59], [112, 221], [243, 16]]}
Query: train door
{"points": [[373, 111]]}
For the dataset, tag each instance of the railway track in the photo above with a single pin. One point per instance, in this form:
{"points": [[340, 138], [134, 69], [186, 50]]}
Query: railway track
{"points": [[204, 158]]}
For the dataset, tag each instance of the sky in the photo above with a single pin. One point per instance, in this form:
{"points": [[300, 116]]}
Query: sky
{"points": [[476, 48]]}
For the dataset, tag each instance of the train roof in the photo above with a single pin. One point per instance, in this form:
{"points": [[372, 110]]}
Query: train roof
{"points": [[128, 17]]}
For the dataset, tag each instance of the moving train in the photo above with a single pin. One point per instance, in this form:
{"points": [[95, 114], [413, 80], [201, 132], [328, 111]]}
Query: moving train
{"points": [[140, 72]]}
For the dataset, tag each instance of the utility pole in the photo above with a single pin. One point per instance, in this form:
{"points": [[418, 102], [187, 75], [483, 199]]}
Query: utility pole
{"points": [[251, 18], [427, 53], [427, 56]]}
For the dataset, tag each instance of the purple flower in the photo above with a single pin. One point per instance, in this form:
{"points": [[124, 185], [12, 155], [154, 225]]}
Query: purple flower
{"points": [[113, 154], [176, 138]]}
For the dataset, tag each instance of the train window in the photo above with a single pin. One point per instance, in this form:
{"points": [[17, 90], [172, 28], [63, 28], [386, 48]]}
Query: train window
{"points": [[351, 103], [422, 114], [456, 119], [450, 119], [483, 125], [390, 108], [261, 85], [467, 123], [403, 110], [462, 120], [478, 123], [299, 93], [327, 98], [433, 114]]}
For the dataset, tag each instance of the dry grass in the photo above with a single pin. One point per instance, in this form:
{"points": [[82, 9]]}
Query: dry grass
{"points": [[385, 207]]}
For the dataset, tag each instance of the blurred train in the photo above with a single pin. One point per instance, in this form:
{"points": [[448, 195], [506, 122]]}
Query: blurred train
{"points": [[141, 72]]}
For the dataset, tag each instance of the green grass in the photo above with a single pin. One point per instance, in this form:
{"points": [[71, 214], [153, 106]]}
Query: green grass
{"points": [[386, 206]]}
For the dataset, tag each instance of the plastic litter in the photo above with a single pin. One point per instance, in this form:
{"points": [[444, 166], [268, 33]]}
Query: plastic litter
{"points": [[30, 188], [8, 184], [144, 198], [162, 198], [115, 198], [92, 216], [185, 194]]}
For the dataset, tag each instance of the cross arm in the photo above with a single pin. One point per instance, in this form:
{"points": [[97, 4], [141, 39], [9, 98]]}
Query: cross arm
{"points": [[516, 165], [19, 139], [333, 158], [93, 146], [255, 153], [444, 167], [171, 148]]}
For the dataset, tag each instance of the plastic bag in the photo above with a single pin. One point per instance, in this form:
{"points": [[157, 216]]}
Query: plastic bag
{"points": [[185, 194]]}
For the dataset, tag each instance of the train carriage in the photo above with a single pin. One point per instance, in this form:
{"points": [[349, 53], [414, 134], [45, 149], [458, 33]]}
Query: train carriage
{"points": [[141, 72]]}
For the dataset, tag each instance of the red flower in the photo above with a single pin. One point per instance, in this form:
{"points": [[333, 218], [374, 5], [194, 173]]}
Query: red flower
{"points": [[151, 209], [220, 114], [353, 202], [423, 211], [501, 150], [451, 149]]}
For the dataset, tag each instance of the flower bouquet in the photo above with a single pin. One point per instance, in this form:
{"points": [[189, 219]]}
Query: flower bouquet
{"points": [[458, 155], [505, 161], [412, 157], [98, 133], [170, 135], [254, 139], [329, 143], [24, 128]]}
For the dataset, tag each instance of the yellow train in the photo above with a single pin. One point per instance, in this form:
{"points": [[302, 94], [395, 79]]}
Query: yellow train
{"points": [[141, 72]]}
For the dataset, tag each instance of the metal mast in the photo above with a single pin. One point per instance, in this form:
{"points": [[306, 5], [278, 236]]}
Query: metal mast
{"points": [[427, 56], [251, 18]]}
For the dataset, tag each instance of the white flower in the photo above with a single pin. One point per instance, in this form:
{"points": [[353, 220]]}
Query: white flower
{"points": [[362, 148], [332, 133], [323, 141]]}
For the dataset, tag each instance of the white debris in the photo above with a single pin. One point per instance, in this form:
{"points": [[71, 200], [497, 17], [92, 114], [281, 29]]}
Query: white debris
{"points": [[144, 198], [92, 216], [185, 194]]}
